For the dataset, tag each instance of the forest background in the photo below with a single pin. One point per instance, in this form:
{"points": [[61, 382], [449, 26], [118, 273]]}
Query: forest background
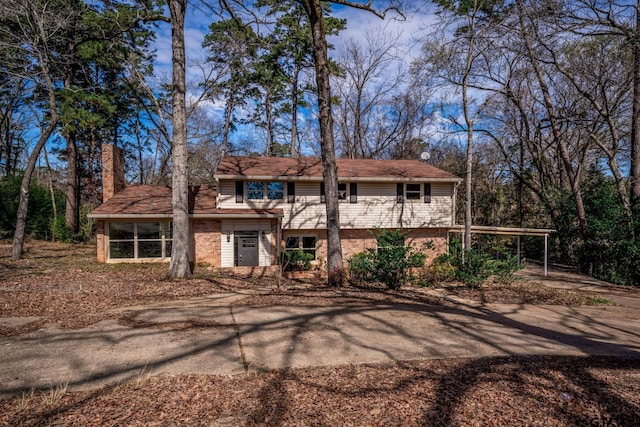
{"points": [[535, 103]]}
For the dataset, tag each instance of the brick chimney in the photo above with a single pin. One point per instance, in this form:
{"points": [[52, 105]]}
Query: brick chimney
{"points": [[112, 171]]}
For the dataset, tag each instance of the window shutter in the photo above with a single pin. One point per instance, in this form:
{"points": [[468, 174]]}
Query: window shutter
{"points": [[323, 198], [353, 192], [239, 191], [291, 192], [427, 192], [400, 192]]}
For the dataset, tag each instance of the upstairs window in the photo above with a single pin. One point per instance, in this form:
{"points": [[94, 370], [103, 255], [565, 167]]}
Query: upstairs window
{"points": [[255, 190], [342, 191], [275, 190], [412, 192]]}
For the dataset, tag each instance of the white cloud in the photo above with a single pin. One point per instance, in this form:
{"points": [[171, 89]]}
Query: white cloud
{"points": [[409, 30]]}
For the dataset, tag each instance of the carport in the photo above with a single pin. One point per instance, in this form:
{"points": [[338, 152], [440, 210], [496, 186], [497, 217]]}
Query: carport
{"points": [[510, 231]]}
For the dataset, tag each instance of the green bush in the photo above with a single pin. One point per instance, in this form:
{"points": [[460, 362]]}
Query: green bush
{"points": [[389, 263], [474, 267], [297, 260], [442, 269], [505, 267], [362, 266]]}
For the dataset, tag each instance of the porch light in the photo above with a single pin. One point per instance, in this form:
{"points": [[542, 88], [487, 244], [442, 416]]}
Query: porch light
{"points": [[228, 236]]}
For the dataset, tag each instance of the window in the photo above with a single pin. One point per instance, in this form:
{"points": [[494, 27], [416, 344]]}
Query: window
{"points": [[306, 244], [255, 190], [136, 240], [275, 190], [342, 191], [412, 192]]}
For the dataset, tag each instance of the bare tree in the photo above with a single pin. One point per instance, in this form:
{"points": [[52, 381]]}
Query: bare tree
{"points": [[459, 63], [373, 111], [314, 12], [30, 27]]}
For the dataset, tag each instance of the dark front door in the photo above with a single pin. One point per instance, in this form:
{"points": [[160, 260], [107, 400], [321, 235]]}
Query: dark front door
{"points": [[247, 249]]}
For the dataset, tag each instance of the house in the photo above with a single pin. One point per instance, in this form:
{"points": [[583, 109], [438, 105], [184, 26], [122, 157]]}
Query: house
{"points": [[262, 206]]}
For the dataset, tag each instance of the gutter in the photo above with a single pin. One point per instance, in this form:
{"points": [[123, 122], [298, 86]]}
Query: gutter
{"points": [[341, 179], [195, 216]]}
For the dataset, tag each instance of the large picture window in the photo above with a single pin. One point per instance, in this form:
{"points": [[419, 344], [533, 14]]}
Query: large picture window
{"points": [[139, 240]]}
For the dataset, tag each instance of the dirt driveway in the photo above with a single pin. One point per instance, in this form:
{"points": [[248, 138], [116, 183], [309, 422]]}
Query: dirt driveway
{"points": [[219, 334]]}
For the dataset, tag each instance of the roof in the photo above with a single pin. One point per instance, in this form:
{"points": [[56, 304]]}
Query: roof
{"points": [[154, 201], [310, 168]]}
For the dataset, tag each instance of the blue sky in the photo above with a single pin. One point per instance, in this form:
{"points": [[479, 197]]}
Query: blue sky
{"points": [[358, 23]]}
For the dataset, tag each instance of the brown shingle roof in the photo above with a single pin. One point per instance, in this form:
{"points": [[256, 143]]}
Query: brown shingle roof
{"points": [[311, 168], [155, 200]]}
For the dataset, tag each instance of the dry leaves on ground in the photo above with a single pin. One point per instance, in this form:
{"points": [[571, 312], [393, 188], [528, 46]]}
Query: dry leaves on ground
{"points": [[549, 391]]}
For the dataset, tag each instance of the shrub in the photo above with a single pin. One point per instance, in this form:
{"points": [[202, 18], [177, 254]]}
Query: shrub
{"points": [[505, 267], [473, 267], [361, 266], [297, 260], [441, 269], [389, 263]]}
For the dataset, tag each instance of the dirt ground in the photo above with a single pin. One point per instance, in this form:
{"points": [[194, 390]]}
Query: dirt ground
{"points": [[61, 285]]}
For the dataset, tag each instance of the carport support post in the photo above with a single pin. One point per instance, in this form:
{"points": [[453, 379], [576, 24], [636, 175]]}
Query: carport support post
{"points": [[546, 238]]}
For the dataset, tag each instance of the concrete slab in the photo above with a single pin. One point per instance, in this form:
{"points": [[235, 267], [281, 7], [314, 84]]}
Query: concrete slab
{"points": [[108, 352], [301, 336], [210, 336]]}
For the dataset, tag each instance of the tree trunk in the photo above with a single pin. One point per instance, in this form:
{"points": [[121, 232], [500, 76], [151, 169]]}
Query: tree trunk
{"points": [[635, 125], [329, 170], [72, 183], [565, 159], [21, 220], [179, 267], [294, 113], [51, 190]]}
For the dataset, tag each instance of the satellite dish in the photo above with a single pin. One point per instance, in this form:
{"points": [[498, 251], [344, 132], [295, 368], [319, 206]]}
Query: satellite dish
{"points": [[425, 156]]}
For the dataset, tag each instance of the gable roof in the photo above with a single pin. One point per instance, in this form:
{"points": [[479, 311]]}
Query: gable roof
{"points": [[310, 168], [154, 201]]}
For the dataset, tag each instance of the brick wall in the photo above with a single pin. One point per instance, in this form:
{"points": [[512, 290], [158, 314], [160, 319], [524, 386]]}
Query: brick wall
{"points": [[101, 255], [358, 240], [112, 171], [206, 243]]}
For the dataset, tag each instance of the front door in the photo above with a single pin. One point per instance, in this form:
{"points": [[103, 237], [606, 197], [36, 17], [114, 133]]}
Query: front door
{"points": [[247, 249]]}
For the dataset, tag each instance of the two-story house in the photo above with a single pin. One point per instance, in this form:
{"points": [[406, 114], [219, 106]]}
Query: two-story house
{"points": [[262, 206]]}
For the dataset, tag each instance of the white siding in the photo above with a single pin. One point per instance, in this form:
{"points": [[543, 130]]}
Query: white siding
{"points": [[376, 207], [231, 226]]}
